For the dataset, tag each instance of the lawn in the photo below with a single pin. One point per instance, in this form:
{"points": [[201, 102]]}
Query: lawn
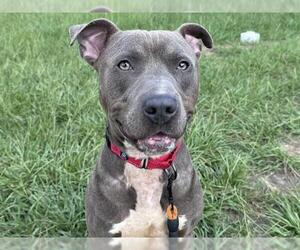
{"points": [[244, 138]]}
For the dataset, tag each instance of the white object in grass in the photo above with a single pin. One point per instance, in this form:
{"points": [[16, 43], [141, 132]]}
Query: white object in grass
{"points": [[250, 37]]}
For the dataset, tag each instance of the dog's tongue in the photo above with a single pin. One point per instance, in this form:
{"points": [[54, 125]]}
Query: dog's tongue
{"points": [[157, 143]]}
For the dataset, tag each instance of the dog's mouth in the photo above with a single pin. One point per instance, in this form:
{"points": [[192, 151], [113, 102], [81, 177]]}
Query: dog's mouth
{"points": [[158, 143]]}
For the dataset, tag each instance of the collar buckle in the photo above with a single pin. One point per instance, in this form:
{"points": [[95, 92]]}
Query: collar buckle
{"points": [[124, 156], [171, 172], [144, 163]]}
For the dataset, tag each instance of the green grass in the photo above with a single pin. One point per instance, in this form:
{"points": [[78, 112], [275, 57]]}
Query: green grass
{"points": [[152, 5], [51, 124]]}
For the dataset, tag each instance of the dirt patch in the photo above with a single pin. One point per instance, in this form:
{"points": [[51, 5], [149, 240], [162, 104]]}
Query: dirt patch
{"points": [[283, 180], [291, 146], [233, 215]]}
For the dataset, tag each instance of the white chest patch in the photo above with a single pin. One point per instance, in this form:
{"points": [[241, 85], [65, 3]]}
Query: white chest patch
{"points": [[147, 219]]}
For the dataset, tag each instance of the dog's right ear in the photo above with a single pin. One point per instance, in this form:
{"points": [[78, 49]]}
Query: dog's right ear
{"points": [[92, 38]]}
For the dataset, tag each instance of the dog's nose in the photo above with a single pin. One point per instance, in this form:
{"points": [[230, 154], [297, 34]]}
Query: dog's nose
{"points": [[160, 108]]}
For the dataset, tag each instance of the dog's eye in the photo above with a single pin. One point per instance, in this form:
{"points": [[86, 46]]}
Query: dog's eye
{"points": [[124, 65], [183, 65]]}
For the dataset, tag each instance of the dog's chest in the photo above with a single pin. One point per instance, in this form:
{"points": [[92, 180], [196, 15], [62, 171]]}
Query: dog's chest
{"points": [[147, 219], [147, 184]]}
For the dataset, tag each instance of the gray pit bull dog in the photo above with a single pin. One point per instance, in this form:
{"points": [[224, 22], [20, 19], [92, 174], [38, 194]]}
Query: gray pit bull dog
{"points": [[148, 90]]}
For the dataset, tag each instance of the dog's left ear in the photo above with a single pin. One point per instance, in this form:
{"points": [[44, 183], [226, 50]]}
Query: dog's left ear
{"points": [[192, 33]]}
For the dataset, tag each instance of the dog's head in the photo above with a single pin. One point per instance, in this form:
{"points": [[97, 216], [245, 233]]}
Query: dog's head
{"points": [[148, 79]]}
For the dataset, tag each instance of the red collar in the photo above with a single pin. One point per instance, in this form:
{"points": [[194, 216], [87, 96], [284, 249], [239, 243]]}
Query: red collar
{"points": [[162, 162]]}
